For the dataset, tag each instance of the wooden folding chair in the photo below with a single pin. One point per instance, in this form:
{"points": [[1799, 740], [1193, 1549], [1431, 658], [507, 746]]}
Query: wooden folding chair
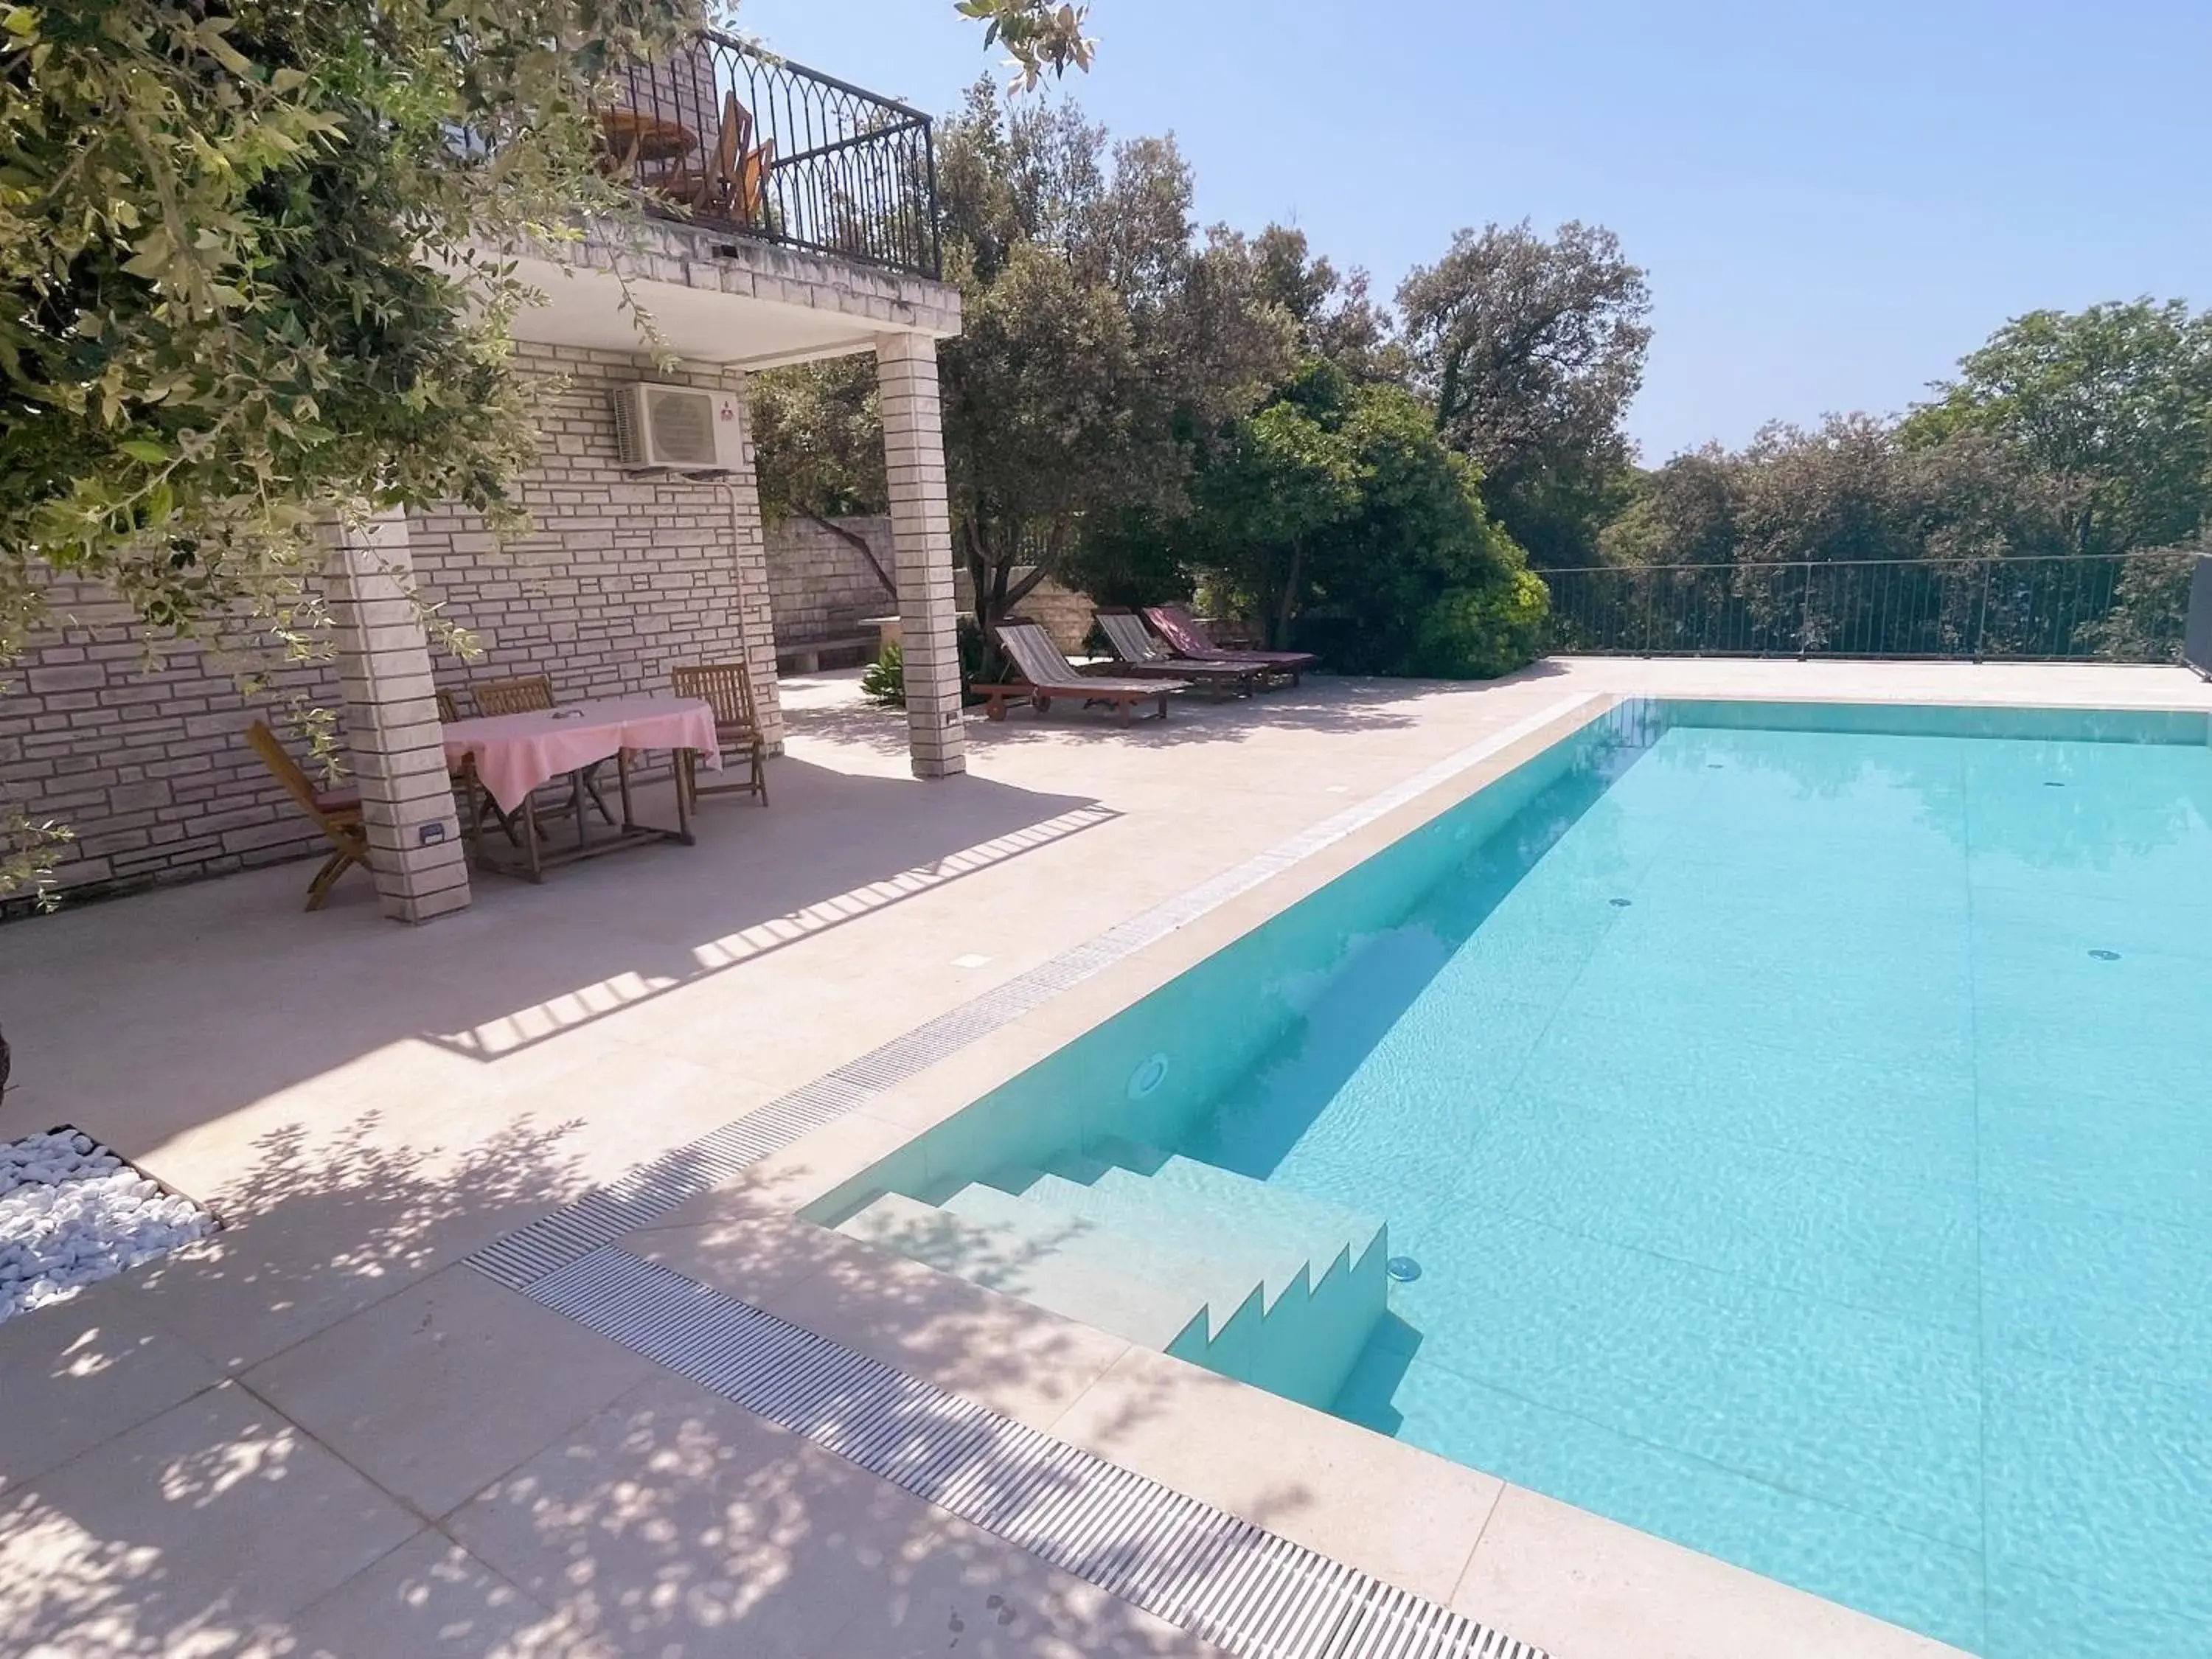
{"points": [[525, 693], [337, 815], [751, 200], [727, 689]]}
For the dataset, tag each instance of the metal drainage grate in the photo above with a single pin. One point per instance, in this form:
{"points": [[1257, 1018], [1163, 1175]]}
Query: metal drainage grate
{"points": [[654, 1189], [1221, 1577]]}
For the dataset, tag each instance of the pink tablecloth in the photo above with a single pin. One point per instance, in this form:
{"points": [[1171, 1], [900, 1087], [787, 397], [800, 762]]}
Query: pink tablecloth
{"points": [[515, 753]]}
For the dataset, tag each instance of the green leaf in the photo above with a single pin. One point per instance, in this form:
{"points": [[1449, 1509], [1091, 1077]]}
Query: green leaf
{"points": [[144, 449]]}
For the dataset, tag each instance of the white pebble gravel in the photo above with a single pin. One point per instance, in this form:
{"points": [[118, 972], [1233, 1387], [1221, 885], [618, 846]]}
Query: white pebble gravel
{"points": [[73, 1213]]}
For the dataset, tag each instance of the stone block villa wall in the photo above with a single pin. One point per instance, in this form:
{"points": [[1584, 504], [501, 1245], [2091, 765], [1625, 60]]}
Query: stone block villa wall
{"points": [[819, 585], [623, 579]]}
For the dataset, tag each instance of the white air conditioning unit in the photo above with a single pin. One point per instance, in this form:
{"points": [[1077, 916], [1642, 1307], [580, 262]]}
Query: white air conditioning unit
{"points": [[678, 429]]}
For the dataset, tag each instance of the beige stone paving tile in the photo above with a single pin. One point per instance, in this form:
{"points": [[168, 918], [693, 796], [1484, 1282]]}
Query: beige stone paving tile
{"points": [[964, 1592], [674, 1523], [83, 1370], [446, 1386], [1587, 1588], [996, 1349], [610, 1113], [1401, 1514], [429, 1599], [183, 1537], [811, 1166], [340, 1240], [783, 1022], [743, 1247]]}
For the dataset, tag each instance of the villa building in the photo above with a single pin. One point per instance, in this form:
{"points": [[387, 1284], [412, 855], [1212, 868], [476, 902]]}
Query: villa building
{"points": [[792, 217]]}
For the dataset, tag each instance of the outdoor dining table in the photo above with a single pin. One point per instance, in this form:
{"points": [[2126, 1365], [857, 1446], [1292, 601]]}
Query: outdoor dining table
{"points": [[510, 755]]}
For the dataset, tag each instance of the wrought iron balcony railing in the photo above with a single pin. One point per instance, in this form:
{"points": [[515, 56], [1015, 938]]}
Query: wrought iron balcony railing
{"points": [[721, 135], [2131, 607]]}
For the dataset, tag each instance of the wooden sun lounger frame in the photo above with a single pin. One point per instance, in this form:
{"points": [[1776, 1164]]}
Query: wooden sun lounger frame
{"points": [[1122, 695], [1220, 679], [1171, 619]]}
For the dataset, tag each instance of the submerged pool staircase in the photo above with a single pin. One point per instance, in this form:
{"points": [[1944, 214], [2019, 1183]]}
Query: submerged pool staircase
{"points": [[1260, 1283]]}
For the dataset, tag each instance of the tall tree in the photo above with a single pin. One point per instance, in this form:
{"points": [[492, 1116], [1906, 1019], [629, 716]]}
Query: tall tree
{"points": [[2112, 403], [1532, 350], [1335, 316], [1101, 339]]}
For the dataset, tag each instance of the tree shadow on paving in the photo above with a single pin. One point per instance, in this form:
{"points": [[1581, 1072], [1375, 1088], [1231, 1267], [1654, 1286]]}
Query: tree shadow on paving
{"points": [[149, 1506], [675, 1523], [194, 1519]]}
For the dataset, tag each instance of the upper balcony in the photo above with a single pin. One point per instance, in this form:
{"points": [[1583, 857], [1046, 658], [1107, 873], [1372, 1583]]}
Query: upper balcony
{"points": [[726, 136]]}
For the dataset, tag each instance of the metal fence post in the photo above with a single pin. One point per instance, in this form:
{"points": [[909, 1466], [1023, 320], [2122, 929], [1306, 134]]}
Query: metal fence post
{"points": [[2196, 632], [1982, 610]]}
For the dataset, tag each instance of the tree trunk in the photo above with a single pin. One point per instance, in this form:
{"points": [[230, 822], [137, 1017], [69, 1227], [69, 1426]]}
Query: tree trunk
{"points": [[858, 543], [1286, 603], [972, 547], [1047, 560]]}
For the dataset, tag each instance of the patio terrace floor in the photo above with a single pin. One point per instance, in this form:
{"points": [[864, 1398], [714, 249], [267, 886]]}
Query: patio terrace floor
{"points": [[320, 1432]]}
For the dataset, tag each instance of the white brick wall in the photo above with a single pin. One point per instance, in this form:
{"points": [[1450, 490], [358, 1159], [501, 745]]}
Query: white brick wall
{"points": [[818, 584], [623, 579]]}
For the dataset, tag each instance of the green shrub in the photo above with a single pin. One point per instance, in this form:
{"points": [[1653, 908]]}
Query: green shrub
{"points": [[1480, 633], [884, 680]]}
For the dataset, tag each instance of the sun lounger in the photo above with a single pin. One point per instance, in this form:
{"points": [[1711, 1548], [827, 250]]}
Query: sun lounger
{"points": [[1133, 646], [1188, 636], [1046, 674]]}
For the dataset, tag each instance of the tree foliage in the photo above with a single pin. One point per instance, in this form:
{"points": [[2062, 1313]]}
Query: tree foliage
{"points": [[1531, 350], [2049, 502], [2112, 404], [1037, 35], [819, 445], [1102, 338], [1337, 515], [252, 277]]}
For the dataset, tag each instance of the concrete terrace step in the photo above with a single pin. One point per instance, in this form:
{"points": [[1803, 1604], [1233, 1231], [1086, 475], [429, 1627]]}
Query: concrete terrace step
{"points": [[1029, 1263]]}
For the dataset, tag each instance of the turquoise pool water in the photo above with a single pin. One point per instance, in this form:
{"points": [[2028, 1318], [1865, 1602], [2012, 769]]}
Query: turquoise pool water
{"points": [[1805, 1139]]}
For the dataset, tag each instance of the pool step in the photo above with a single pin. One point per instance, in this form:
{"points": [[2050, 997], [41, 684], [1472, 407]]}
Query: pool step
{"points": [[1317, 1323], [1032, 1263], [1257, 1282]]}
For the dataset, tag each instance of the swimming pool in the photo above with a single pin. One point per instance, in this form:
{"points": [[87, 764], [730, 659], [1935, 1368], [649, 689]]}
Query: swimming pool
{"points": [[1793, 1127]]}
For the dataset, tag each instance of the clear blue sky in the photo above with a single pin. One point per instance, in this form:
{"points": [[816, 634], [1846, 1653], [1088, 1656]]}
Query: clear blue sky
{"points": [[1834, 201]]}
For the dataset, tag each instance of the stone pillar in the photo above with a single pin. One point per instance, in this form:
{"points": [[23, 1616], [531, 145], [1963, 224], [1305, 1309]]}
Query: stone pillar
{"points": [[922, 548], [414, 849]]}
